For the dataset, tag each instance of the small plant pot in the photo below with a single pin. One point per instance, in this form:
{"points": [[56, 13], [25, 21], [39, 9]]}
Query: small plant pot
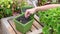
{"points": [[23, 24], [24, 8]]}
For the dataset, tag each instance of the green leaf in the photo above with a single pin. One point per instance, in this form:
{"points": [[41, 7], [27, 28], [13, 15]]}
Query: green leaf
{"points": [[8, 12], [51, 18], [1, 16], [58, 29], [46, 29]]}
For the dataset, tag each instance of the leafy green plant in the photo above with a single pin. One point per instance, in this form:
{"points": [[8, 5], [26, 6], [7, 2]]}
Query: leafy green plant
{"points": [[16, 6], [6, 3], [51, 20], [54, 1], [23, 3], [7, 12], [42, 2], [1, 16], [24, 6], [5, 8]]}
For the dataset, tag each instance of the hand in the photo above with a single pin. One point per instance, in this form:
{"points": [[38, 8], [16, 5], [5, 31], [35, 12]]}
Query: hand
{"points": [[29, 12]]}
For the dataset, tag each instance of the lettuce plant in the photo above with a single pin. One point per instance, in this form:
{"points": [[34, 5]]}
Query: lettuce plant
{"points": [[51, 20]]}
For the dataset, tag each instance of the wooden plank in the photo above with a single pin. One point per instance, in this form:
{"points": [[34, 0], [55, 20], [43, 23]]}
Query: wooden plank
{"points": [[13, 26], [0, 28], [6, 28], [37, 25], [37, 19], [33, 28]]}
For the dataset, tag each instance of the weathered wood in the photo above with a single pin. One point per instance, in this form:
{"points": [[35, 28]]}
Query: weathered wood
{"points": [[0, 28], [8, 27], [37, 19]]}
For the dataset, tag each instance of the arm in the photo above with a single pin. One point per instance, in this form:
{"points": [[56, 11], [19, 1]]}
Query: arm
{"points": [[33, 10], [47, 7]]}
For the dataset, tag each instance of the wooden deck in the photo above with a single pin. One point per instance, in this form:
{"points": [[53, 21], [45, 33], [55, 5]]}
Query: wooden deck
{"points": [[8, 27]]}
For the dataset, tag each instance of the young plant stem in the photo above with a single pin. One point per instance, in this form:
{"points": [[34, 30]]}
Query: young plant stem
{"points": [[52, 30]]}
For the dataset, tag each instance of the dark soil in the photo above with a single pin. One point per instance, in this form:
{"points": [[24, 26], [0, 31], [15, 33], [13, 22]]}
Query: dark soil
{"points": [[23, 20]]}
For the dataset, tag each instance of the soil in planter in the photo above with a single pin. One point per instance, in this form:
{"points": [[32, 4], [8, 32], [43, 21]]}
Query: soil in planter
{"points": [[23, 20]]}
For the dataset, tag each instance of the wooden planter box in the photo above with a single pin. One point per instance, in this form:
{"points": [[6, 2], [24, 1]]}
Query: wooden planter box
{"points": [[8, 27]]}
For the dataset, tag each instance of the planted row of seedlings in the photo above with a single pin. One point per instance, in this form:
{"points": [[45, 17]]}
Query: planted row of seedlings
{"points": [[51, 20]]}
